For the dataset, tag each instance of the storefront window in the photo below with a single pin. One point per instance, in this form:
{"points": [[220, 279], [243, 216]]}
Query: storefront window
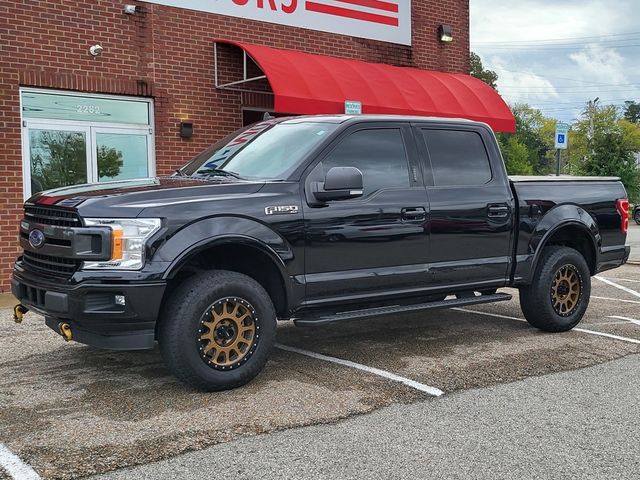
{"points": [[58, 158], [74, 139]]}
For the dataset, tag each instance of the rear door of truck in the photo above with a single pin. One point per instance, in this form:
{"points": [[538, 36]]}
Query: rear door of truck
{"points": [[471, 205]]}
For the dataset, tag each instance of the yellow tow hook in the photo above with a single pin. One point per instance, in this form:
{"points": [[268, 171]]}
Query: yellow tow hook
{"points": [[19, 312], [65, 331]]}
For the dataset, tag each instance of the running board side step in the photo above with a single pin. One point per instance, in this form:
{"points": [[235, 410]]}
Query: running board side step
{"points": [[418, 307]]}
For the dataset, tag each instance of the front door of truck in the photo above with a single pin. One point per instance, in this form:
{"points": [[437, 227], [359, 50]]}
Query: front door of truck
{"points": [[376, 244], [471, 206]]}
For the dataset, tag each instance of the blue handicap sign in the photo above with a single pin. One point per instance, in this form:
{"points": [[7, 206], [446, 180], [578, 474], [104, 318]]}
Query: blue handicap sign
{"points": [[560, 138]]}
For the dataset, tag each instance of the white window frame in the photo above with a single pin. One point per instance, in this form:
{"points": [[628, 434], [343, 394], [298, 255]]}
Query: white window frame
{"points": [[90, 127]]}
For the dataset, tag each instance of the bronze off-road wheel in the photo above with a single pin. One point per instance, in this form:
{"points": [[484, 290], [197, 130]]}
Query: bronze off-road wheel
{"points": [[558, 295], [217, 330]]}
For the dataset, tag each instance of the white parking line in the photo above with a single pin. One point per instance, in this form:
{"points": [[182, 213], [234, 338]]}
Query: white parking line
{"points": [[621, 287], [632, 320], [436, 392], [582, 330], [622, 279], [615, 299], [15, 467]]}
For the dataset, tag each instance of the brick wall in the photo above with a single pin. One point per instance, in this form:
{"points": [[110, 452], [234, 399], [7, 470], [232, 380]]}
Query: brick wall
{"points": [[166, 53]]}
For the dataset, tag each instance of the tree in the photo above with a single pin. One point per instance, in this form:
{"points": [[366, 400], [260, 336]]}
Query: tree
{"points": [[477, 70], [632, 111], [109, 162], [59, 159], [516, 155], [604, 143], [531, 151]]}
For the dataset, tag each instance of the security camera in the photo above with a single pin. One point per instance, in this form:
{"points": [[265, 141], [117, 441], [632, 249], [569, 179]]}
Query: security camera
{"points": [[130, 9], [96, 50]]}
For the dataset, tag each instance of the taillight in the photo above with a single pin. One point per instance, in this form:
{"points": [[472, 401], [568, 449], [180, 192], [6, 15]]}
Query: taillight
{"points": [[623, 209]]}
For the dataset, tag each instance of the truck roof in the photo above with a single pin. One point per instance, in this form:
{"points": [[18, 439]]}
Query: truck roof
{"points": [[371, 118]]}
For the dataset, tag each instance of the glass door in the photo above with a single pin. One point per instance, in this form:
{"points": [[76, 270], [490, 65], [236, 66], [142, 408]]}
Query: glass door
{"points": [[121, 154], [59, 156], [55, 156]]}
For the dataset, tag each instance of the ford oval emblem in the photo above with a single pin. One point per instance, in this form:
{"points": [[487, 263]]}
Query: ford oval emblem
{"points": [[36, 238]]}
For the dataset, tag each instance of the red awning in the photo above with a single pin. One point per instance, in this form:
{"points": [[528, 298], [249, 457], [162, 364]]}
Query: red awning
{"points": [[303, 83]]}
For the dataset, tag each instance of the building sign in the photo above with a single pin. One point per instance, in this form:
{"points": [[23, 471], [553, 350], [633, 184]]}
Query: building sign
{"points": [[386, 20], [352, 107]]}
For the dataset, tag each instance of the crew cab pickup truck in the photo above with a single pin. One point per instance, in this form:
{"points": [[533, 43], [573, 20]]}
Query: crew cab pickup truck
{"points": [[316, 219]]}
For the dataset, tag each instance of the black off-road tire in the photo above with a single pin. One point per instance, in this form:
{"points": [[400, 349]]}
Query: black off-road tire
{"points": [[636, 216], [180, 328], [537, 299]]}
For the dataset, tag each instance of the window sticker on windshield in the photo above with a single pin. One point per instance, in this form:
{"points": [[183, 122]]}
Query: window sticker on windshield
{"points": [[321, 132]]}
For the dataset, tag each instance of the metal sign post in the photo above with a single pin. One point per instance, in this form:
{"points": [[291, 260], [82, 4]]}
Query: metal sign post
{"points": [[562, 142]]}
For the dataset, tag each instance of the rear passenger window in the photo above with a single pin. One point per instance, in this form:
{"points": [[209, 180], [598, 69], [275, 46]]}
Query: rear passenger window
{"points": [[457, 158], [378, 153]]}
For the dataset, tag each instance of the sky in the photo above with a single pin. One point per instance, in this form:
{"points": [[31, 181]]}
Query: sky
{"points": [[558, 55]]}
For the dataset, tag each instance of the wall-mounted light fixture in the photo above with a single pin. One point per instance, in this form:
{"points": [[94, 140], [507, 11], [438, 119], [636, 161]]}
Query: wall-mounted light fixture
{"points": [[445, 34], [186, 129], [95, 50], [130, 9]]}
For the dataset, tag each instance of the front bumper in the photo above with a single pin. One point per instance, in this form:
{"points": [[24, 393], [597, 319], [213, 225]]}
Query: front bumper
{"points": [[92, 312]]}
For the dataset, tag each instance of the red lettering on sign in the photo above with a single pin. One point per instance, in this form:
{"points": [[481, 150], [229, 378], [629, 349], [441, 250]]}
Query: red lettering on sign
{"points": [[291, 7], [272, 4]]}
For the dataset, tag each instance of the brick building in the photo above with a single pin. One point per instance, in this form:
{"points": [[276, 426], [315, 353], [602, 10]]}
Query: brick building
{"points": [[156, 71]]}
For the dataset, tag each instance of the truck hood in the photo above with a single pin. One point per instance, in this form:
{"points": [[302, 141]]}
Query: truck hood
{"points": [[126, 199]]}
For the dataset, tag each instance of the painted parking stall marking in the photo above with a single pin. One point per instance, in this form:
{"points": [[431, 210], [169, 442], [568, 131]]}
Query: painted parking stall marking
{"points": [[632, 320], [615, 299], [582, 330], [15, 467], [617, 285], [433, 391]]}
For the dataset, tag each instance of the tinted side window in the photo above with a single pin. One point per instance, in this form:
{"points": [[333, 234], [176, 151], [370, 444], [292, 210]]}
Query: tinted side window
{"points": [[378, 153], [457, 157]]}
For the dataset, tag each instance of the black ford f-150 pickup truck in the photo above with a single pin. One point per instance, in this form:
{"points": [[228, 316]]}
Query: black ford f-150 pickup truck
{"points": [[315, 219]]}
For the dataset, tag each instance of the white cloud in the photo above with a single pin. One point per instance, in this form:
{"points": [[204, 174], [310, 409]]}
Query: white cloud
{"points": [[556, 56], [529, 86], [598, 63], [503, 20]]}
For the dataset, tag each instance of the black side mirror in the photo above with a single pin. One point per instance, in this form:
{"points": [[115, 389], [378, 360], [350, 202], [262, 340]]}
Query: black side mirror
{"points": [[341, 183]]}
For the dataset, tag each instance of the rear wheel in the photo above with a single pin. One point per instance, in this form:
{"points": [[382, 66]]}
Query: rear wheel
{"points": [[217, 330], [559, 293], [636, 216]]}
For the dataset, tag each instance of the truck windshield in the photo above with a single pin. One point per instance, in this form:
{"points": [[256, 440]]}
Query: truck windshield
{"points": [[265, 150]]}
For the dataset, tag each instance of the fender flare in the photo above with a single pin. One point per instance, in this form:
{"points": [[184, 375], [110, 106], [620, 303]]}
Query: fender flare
{"points": [[214, 231], [562, 216]]}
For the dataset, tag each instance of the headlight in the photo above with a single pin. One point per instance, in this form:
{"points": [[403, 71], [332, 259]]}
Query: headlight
{"points": [[128, 242]]}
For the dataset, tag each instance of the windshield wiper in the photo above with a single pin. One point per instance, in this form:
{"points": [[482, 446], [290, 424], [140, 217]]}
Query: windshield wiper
{"points": [[180, 172], [218, 171]]}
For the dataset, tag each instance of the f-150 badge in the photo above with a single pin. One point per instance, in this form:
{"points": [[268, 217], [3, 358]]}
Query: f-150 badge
{"points": [[282, 210]]}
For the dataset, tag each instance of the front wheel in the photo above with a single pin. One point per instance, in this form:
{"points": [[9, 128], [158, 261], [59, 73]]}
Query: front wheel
{"points": [[636, 216], [558, 295], [217, 330]]}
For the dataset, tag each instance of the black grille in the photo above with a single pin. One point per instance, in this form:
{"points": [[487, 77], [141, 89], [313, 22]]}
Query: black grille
{"points": [[47, 263], [51, 216]]}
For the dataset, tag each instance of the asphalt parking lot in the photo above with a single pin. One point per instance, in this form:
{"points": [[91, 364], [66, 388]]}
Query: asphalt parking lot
{"points": [[70, 411]]}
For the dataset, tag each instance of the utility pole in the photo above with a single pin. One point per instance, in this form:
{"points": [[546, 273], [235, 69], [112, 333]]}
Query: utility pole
{"points": [[592, 118]]}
